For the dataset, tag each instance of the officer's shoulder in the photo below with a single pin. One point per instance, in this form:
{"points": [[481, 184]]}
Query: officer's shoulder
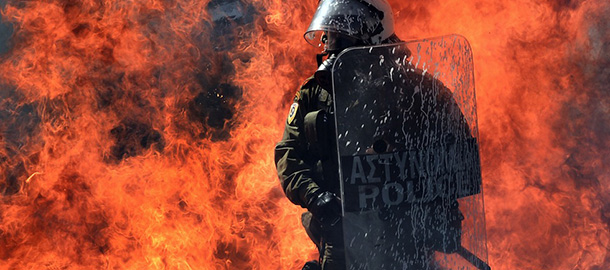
{"points": [[428, 82], [309, 83], [425, 79], [309, 88]]}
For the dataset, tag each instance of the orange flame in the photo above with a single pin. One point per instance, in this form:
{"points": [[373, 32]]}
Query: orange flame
{"points": [[139, 134]]}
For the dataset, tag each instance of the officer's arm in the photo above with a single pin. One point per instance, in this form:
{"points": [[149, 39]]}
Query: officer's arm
{"points": [[292, 160]]}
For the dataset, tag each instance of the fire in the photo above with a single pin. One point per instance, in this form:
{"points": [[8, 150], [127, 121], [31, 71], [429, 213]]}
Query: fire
{"points": [[139, 134]]}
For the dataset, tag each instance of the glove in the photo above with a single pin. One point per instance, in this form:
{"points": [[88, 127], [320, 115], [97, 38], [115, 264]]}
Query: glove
{"points": [[325, 207], [311, 265]]}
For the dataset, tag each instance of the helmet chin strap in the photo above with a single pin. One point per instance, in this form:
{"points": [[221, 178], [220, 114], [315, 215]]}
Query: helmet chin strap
{"points": [[332, 49], [323, 75], [320, 57]]}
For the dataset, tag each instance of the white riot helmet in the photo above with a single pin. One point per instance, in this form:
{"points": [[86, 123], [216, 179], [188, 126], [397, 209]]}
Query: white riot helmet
{"points": [[366, 22]]}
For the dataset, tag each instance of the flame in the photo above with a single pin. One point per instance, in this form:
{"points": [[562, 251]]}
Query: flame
{"points": [[139, 134]]}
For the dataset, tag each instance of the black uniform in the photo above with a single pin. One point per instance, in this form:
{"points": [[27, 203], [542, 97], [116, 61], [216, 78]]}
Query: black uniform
{"points": [[307, 169]]}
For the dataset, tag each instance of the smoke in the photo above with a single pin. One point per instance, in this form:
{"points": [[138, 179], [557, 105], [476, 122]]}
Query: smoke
{"points": [[19, 122], [588, 109], [5, 31]]}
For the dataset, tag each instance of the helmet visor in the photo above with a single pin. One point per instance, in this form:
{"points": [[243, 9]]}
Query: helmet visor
{"points": [[353, 18]]}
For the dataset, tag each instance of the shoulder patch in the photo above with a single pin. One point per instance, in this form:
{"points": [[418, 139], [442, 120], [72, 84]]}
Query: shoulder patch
{"points": [[293, 112]]}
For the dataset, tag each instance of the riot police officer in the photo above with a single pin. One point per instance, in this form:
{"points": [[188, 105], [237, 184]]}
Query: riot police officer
{"points": [[306, 157]]}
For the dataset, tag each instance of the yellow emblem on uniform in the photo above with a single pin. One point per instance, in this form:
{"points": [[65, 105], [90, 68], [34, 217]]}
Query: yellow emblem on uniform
{"points": [[293, 112]]}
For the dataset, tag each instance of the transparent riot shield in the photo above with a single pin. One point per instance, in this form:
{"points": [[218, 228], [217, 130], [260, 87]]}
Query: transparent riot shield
{"points": [[409, 161]]}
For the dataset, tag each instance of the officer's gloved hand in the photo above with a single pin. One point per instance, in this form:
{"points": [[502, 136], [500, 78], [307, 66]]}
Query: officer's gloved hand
{"points": [[326, 208], [311, 265]]}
